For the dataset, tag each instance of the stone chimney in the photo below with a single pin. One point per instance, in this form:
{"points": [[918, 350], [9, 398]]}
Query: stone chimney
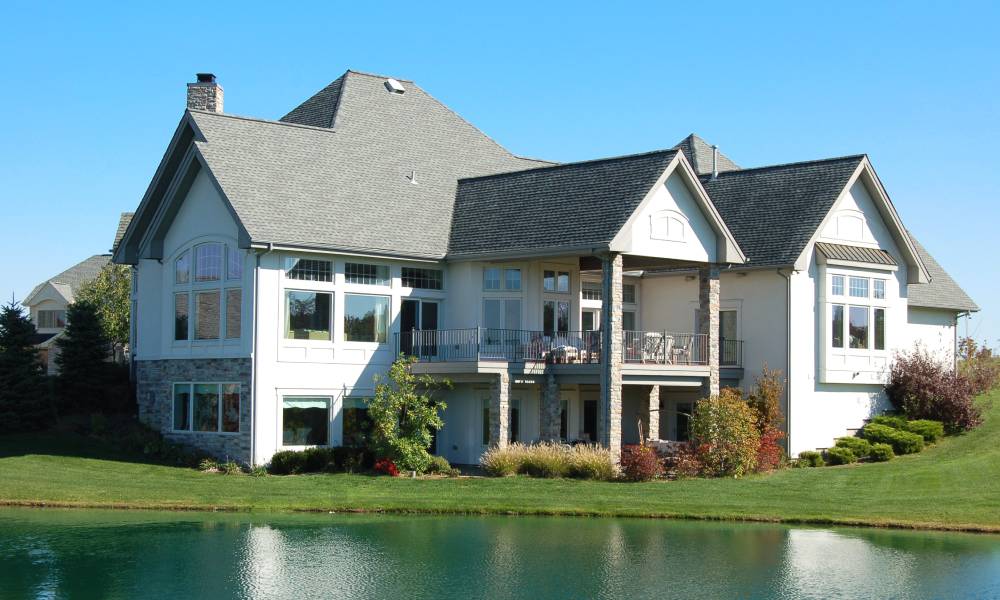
{"points": [[205, 94]]}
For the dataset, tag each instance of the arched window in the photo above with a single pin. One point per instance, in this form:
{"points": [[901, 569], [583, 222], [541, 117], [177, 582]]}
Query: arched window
{"points": [[208, 294], [668, 225]]}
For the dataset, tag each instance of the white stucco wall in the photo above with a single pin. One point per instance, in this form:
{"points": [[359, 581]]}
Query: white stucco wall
{"points": [[934, 330], [672, 225]]}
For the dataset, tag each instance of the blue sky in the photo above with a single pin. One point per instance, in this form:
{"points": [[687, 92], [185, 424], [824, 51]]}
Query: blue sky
{"points": [[92, 93]]}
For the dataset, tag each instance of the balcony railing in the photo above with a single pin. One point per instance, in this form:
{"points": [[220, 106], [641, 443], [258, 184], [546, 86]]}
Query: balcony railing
{"points": [[572, 347]]}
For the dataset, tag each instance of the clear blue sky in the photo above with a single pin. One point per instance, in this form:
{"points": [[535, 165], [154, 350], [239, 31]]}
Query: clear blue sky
{"points": [[92, 93]]}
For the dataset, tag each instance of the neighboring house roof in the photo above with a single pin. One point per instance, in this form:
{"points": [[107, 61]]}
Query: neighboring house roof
{"points": [[700, 154], [942, 292], [774, 211], [571, 206], [123, 221], [40, 338], [70, 280], [858, 254], [381, 181]]}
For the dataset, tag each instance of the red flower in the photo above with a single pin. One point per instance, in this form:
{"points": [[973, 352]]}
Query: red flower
{"points": [[387, 467]]}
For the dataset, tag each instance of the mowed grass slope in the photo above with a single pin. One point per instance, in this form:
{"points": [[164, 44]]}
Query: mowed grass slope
{"points": [[953, 485]]}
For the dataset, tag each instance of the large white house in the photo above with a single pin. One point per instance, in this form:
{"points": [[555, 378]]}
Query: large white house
{"points": [[281, 265]]}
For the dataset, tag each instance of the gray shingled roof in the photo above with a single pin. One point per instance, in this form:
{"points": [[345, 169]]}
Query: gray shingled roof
{"points": [[350, 187], [572, 205], [942, 291], [774, 211], [699, 154], [860, 254], [76, 275], [319, 110], [123, 221]]}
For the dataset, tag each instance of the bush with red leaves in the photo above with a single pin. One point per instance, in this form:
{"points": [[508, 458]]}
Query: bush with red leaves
{"points": [[681, 461], [922, 387], [640, 463], [386, 467], [770, 454]]}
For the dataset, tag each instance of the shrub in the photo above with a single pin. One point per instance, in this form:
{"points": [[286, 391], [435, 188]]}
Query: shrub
{"points": [[765, 399], [894, 421], [881, 453], [501, 462], [258, 471], [923, 388], [549, 459], [439, 464], [545, 460], [681, 461], [931, 431], [902, 442], [208, 465], [978, 365], [810, 458], [351, 459], [725, 432], [640, 463], [287, 462], [385, 466], [319, 460], [231, 467], [838, 455], [859, 446], [590, 461], [770, 453]]}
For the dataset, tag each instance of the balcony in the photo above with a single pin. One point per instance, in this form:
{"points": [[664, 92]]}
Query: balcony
{"points": [[572, 347]]}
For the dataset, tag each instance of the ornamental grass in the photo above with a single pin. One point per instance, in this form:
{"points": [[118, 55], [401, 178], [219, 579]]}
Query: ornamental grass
{"points": [[549, 460]]}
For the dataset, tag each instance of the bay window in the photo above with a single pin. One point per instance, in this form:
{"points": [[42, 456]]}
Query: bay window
{"points": [[858, 327], [837, 325], [880, 329], [860, 322]]}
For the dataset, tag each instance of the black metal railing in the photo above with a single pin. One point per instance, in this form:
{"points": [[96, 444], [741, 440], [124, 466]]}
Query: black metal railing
{"points": [[513, 345]]}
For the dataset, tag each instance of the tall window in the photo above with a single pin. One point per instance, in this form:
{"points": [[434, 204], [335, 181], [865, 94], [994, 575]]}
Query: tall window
{"points": [[502, 313], [427, 279], [308, 315], [207, 298], [207, 407], [305, 421], [858, 326], [837, 325], [486, 421], [366, 318], [515, 420], [555, 317], [366, 274], [879, 328], [628, 293]]}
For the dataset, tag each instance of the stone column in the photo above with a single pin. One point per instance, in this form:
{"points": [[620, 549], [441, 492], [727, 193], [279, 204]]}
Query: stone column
{"points": [[708, 324], [550, 420], [500, 410], [610, 415], [653, 412]]}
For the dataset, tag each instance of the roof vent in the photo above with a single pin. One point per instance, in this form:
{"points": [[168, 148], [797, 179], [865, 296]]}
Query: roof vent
{"points": [[394, 86]]}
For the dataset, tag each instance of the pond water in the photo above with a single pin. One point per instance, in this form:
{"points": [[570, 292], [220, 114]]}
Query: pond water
{"points": [[51, 553]]}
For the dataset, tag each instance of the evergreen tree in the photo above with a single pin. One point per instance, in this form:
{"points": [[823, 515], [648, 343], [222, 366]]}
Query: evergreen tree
{"points": [[82, 359], [25, 403]]}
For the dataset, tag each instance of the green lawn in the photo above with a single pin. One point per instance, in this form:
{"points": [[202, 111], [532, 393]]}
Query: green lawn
{"points": [[953, 485]]}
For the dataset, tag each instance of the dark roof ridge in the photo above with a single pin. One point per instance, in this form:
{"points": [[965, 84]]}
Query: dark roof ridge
{"points": [[790, 164], [375, 75], [575, 163], [260, 120]]}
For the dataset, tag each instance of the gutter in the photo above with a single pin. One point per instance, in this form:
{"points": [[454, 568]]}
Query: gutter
{"points": [[253, 355]]}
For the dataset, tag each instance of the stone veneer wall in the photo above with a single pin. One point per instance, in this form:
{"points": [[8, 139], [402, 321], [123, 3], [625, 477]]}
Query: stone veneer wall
{"points": [[154, 393]]}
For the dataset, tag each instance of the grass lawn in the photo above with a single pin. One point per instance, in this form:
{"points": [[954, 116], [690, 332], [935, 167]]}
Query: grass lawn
{"points": [[953, 485]]}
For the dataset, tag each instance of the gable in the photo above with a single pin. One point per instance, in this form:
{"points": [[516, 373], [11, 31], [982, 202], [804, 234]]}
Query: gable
{"points": [[201, 213], [48, 293], [855, 220]]}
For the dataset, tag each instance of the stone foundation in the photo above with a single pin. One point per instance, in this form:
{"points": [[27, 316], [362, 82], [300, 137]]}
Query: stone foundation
{"points": [[154, 393]]}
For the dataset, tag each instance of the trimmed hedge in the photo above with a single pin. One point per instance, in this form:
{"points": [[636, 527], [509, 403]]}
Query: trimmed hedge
{"points": [[931, 431], [859, 446], [902, 442], [894, 421], [319, 460], [881, 453], [810, 458], [838, 455]]}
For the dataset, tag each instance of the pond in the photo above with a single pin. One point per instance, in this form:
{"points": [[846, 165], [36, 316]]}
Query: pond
{"points": [[52, 553]]}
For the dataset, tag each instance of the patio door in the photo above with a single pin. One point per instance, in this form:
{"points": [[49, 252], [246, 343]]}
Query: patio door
{"points": [[420, 315]]}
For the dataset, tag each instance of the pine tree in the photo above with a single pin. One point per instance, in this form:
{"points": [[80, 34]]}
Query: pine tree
{"points": [[82, 359], [25, 402]]}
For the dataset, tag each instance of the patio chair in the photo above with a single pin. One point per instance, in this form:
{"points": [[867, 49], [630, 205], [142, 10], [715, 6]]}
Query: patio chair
{"points": [[652, 347]]}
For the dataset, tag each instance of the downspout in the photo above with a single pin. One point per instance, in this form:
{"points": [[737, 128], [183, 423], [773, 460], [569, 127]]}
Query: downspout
{"points": [[788, 358], [253, 354]]}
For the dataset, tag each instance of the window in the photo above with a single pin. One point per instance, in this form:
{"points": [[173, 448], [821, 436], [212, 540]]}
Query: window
{"points": [[207, 407], [366, 274], [563, 420], [208, 262], [357, 424], [591, 290], [589, 318], [512, 279], [51, 319], [555, 281], [628, 320], [859, 287], [307, 315], [683, 422], [858, 327], [837, 285], [206, 315], [515, 420], [309, 270], [628, 293], [427, 279], [491, 278], [305, 421], [555, 317], [366, 318], [837, 325], [234, 312], [181, 316], [234, 266], [880, 329], [502, 313], [182, 268], [878, 289]]}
